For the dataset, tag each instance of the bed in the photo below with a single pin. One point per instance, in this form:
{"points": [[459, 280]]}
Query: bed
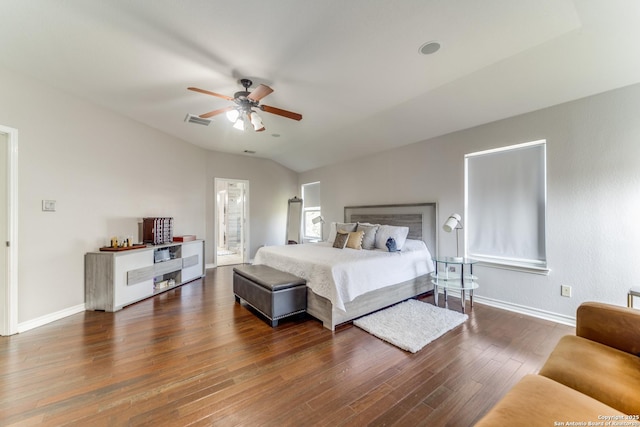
{"points": [[344, 284]]}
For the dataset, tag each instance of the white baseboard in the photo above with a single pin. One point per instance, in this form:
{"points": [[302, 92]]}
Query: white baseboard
{"points": [[522, 309], [40, 321], [529, 311]]}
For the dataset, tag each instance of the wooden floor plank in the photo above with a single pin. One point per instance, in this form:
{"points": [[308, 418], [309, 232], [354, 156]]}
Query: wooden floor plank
{"points": [[193, 356]]}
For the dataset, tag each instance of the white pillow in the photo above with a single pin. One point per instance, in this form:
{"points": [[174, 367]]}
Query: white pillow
{"points": [[386, 231], [332, 233]]}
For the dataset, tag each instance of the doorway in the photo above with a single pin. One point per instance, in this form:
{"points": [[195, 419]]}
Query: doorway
{"points": [[8, 231], [231, 221]]}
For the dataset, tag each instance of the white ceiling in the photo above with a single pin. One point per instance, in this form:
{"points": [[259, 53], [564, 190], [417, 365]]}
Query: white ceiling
{"points": [[350, 67]]}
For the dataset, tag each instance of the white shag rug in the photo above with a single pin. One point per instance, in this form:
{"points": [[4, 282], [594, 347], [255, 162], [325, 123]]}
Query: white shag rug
{"points": [[411, 325]]}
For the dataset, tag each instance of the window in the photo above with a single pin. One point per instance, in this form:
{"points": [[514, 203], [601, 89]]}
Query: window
{"points": [[505, 206], [311, 210]]}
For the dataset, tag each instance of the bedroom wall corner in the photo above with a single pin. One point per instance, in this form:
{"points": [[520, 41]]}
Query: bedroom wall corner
{"points": [[270, 186]]}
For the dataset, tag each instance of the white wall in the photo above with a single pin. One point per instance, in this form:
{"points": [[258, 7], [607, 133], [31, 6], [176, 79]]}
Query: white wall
{"points": [[270, 186], [92, 162], [106, 172], [593, 228]]}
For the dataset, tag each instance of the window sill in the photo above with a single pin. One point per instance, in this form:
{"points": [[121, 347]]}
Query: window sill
{"points": [[522, 268]]}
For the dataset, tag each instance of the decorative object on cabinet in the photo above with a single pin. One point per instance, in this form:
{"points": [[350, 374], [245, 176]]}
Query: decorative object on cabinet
{"points": [[185, 238], [157, 230]]}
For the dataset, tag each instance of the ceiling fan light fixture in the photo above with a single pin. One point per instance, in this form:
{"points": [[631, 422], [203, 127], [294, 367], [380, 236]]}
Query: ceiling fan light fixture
{"points": [[256, 121], [239, 124], [233, 115]]}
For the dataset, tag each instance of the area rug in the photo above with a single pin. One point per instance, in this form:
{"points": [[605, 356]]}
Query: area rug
{"points": [[411, 325]]}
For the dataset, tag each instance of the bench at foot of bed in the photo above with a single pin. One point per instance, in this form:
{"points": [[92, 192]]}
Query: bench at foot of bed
{"points": [[272, 292]]}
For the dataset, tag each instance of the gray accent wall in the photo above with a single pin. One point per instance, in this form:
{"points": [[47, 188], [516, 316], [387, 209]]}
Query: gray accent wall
{"points": [[593, 197]]}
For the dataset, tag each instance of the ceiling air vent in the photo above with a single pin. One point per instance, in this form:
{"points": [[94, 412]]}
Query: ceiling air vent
{"points": [[190, 118]]}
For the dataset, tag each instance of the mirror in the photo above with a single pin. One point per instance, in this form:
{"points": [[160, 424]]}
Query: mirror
{"points": [[294, 217]]}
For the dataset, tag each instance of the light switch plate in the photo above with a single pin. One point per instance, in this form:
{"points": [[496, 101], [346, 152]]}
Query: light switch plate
{"points": [[48, 205]]}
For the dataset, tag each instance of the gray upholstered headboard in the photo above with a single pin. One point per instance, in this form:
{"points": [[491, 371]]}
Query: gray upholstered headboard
{"points": [[421, 218]]}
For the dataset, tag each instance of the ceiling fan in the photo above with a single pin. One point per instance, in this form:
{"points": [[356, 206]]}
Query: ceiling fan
{"points": [[242, 112]]}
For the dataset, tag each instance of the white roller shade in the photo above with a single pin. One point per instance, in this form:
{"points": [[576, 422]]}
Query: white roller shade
{"points": [[311, 195], [505, 204]]}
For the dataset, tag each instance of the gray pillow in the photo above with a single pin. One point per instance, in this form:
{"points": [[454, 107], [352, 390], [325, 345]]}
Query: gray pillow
{"points": [[346, 227], [369, 239]]}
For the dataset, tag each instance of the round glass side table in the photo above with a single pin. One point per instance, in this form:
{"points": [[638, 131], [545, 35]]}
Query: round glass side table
{"points": [[461, 279]]}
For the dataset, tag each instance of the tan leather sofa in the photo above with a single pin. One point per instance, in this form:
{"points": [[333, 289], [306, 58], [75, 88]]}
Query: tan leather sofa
{"points": [[592, 378]]}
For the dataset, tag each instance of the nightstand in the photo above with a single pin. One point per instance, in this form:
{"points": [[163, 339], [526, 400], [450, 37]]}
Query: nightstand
{"points": [[461, 279]]}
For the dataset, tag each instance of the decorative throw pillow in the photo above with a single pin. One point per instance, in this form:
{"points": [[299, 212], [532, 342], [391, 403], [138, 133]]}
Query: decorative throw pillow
{"points": [[391, 245], [369, 238], [341, 226], [355, 240], [385, 231], [341, 240]]}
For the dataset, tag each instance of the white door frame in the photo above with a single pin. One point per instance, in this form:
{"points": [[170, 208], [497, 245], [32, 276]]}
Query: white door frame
{"points": [[245, 225], [9, 286]]}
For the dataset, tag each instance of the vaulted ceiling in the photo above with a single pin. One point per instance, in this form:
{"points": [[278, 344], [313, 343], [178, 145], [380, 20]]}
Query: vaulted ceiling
{"points": [[352, 68]]}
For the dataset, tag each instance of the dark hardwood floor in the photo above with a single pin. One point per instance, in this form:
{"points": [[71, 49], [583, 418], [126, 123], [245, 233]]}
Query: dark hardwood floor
{"points": [[192, 356]]}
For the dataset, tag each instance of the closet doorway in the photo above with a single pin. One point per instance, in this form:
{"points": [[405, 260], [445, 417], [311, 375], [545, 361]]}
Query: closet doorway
{"points": [[231, 221]]}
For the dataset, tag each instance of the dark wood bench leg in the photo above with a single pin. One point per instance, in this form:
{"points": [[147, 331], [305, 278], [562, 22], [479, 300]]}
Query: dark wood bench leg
{"points": [[237, 299]]}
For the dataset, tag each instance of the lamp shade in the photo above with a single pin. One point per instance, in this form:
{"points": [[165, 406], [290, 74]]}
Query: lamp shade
{"points": [[452, 222], [239, 124], [256, 121], [233, 115], [318, 219]]}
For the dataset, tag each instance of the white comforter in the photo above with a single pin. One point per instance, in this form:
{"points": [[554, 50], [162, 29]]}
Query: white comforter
{"points": [[341, 275]]}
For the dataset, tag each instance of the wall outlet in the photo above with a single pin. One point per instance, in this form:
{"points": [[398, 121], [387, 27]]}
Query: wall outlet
{"points": [[565, 291]]}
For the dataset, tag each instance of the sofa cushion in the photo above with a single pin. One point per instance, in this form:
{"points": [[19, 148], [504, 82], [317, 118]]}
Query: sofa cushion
{"points": [[539, 401], [611, 325], [604, 373]]}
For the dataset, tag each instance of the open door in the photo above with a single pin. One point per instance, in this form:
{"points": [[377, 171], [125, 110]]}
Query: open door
{"points": [[231, 221]]}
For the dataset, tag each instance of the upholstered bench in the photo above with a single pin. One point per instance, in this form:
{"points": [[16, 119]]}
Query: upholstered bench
{"points": [[274, 293]]}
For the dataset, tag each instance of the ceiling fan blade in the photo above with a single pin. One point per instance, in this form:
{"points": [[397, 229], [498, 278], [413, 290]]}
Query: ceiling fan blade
{"points": [[216, 112], [281, 112], [260, 92], [206, 92]]}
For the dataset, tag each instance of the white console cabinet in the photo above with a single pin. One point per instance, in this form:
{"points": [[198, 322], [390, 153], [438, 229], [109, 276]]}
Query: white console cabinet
{"points": [[116, 279]]}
